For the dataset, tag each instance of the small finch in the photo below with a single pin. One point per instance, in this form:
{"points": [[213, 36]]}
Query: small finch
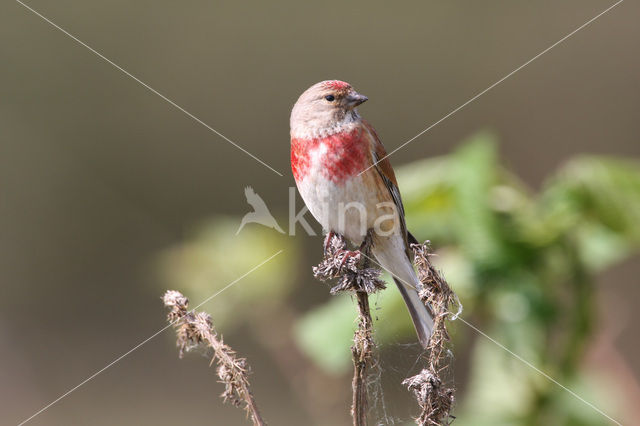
{"points": [[348, 185]]}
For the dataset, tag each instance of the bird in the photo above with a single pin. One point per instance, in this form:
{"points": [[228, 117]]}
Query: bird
{"points": [[260, 213], [344, 177]]}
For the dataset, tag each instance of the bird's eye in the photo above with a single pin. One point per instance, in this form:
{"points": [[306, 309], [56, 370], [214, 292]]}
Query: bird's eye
{"points": [[330, 98]]}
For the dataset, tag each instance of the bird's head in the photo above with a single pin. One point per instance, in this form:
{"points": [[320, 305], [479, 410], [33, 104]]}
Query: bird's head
{"points": [[324, 108]]}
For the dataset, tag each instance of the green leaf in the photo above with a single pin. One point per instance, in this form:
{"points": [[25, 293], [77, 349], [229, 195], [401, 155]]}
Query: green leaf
{"points": [[597, 199]]}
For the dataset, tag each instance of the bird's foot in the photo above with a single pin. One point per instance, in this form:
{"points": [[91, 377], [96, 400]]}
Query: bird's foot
{"points": [[350, 267], [327, 240], [345, 255]]}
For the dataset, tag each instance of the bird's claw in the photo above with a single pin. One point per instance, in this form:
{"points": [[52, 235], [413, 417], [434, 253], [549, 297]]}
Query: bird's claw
{"points": [[346, 254], [327, 240]]}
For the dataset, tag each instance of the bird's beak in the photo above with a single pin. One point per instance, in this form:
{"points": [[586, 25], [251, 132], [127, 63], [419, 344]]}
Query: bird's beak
{"points": [[354, 99]]}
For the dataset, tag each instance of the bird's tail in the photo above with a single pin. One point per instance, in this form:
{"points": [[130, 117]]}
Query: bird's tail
{"points": [[392, 256], [420, 315]]}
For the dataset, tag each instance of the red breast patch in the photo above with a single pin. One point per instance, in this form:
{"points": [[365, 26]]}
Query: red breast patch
{"points": [[340, 156]]}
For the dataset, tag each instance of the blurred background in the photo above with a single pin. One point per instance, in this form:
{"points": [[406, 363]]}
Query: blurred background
{"points": [[109, 196]]}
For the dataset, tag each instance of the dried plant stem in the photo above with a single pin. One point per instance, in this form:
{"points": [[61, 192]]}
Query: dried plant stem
{"points": [[434, 397], [195, 328], [355, 276], [233, 372], [361, 353]]}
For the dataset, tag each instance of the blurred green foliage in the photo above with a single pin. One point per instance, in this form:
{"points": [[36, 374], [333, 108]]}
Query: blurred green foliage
{"points": [[214, 257], [523, 265]]}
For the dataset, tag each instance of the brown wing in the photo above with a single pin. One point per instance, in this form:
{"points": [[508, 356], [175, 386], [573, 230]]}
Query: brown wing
{"points": [[378, 149], [384, 169]]}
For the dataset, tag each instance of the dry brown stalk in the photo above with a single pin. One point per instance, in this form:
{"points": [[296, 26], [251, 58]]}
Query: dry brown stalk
{"points": [[361, 352], [195, 328], [434, 396], [354, 274]]}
